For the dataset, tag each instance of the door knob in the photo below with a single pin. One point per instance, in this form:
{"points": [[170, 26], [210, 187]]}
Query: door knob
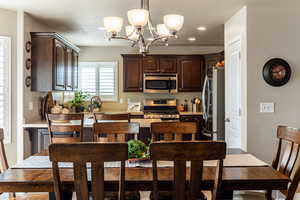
{"points": [[227, 120]]}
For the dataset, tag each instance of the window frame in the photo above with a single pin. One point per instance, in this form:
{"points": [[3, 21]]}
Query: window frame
{"points": [[8, 92], [116, 77]]}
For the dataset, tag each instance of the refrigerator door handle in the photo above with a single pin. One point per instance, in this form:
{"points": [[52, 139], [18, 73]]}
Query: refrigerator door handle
{"points": [[204, 99]]}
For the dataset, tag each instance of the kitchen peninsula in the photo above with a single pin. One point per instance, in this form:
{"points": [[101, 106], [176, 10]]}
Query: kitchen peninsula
{"points": [[39, 136]]}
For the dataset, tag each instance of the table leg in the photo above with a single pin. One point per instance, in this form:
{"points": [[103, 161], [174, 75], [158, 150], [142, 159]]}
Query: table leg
{"points": [[66, 195], [227, 195]]}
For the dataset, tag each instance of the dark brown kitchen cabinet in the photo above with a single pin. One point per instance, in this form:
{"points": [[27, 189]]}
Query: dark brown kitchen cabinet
{"points": [[150, 64], [133, 74], [159, 64], [60, 66], [70, 68], [167, 64], [190, 73], [198, 119], [53, 63], [75, 57], [211, 60]]}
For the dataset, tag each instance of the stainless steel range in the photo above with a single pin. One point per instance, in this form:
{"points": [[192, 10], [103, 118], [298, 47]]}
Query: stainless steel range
{"points": [[164, 109]]}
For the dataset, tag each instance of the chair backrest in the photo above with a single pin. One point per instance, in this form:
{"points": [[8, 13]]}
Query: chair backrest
{"points": [[194, 151], [114, 131], [81, 153], [289, 157], [103, 116], [172, 130], [68, 124], [3, 159]]}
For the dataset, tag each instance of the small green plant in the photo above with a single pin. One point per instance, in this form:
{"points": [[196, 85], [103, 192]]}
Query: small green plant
{"points": [[79, 100], [137, 149]]}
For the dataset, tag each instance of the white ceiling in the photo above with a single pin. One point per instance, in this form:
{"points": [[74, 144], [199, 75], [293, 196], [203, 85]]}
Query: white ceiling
{"points": [[78, 19]]}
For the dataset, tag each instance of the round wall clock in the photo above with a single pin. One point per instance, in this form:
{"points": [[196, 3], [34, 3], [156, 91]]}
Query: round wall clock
{"points": [[277, 72]]}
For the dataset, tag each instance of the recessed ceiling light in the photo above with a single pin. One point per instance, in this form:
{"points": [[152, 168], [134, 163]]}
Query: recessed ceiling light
{"points": [[201, 28], [101, 28], [150, 39], [191, 39]]}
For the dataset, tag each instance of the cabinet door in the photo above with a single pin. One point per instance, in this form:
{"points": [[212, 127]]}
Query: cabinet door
{"points": [[133, 72], [190, 73], [59, 66], [69, 74], [75, 70], [150, 64], [211, 60], [167, 64]]}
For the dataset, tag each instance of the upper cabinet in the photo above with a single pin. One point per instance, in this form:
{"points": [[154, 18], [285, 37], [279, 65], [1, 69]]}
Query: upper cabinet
{"points": [[54, 63], [167, 64], [159, 64], [150, 64], [190, 70], [133, 74], [190, 73]]}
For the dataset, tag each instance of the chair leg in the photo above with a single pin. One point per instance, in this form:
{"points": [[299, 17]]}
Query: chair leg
{"points": [[269, 195]]}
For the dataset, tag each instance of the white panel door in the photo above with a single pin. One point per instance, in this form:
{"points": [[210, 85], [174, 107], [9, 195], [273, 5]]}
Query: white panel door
{"points": [[233, 95]]}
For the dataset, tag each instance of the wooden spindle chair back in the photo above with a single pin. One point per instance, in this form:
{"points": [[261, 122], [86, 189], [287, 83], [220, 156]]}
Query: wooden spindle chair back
{"points": [[172, 130], [61, 123], [3, 158], [289, 157], [103, 116], [114, 131], [4, 163], [82, 153], [180, 153]]}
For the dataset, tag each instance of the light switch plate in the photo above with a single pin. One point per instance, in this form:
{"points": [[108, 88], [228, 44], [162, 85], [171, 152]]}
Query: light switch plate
{"points": [[267, 107]]}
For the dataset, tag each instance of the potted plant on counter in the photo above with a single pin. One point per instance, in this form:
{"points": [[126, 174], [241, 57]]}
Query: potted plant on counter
{"points": [[78, 102]]}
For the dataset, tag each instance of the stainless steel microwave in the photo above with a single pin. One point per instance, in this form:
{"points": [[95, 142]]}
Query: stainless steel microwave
{"points": [[160, 83]]}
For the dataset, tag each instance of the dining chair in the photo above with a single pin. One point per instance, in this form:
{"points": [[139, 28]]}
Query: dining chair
{"points": [[285, 162], [114, 131], [180, 153], [168, 131], [64, 128], [105, 116], [3, 158], [82, 153]]}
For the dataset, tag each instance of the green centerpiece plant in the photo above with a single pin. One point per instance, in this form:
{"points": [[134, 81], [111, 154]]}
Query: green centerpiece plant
{"points": [[137, 150]]}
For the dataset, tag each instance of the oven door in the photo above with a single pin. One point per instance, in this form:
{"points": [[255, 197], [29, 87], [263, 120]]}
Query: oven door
{"points": [[160, 84]]}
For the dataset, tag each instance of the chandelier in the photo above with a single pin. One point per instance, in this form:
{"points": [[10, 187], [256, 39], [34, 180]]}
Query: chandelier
{"points": [[139, 20]]}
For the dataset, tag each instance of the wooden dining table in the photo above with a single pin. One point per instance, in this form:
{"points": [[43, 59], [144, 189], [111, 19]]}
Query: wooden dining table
{"points": [[235, 177]]}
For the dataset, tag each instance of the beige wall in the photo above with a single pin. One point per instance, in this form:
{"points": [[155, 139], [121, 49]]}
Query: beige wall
{"points": [[273, 31], [236, 28], [31, 25], [8, 27], [114, 54]]}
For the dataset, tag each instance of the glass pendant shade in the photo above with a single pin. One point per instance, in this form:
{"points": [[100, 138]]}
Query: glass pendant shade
{"points": [[113, 24], [138, 17], [173, 22], [162, 30], [131, 33]]}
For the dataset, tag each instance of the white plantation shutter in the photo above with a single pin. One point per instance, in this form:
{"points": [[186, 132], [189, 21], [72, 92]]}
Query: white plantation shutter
{"points": [[99, 78], [5, 87]]}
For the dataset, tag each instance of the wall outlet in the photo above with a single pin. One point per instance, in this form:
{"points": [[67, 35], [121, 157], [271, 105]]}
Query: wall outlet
{"points": [[30, 105], [267, 107], [121, 100]]}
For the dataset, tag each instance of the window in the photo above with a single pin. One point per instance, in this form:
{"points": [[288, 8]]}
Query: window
{"points": [[5, 85], [99, 79]]}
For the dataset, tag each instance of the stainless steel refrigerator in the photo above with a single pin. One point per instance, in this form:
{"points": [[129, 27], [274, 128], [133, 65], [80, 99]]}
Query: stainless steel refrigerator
{"points": [[213, 102]]}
